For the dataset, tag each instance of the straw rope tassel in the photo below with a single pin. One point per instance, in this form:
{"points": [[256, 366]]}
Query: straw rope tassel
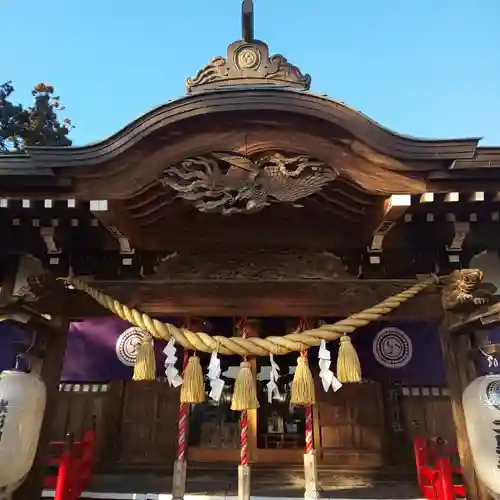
{"points": [[245, 392], [303, 393], [145, 362], [254, 346], [348, 366], [193, 385]]}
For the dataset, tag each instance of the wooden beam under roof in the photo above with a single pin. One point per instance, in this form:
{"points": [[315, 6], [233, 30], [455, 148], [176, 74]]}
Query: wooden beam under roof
{"points": [[254, 298]]}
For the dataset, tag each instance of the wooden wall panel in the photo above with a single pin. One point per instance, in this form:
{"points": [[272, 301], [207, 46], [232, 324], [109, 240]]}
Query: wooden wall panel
{"points": [[351, 425], [427, 413], [76, 406], [149, 424], [137, 423]]}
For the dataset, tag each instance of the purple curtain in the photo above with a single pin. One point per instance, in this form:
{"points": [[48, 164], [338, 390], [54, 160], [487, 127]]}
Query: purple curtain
{"points": [[9, 334], [487, 364], [408, 353], [96, 349]]}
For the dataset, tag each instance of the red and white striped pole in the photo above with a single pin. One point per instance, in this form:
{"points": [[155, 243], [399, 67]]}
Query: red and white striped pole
{"points": [[244, 416], [183, 419], [244, 468], [180, 465], [310, 471], [309, 424]]}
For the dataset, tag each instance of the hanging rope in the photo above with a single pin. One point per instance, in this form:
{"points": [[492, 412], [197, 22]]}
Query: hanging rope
{"points": [[253, 346]]}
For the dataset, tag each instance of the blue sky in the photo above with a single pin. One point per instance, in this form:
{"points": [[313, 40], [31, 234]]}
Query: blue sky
{"points": [[429, 68]]}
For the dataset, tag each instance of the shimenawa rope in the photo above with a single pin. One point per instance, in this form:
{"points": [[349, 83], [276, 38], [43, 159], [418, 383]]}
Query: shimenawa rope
{"points": [[253, 346]]}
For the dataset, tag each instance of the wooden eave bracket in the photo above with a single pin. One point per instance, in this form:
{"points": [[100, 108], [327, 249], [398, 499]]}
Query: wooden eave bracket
{"points": [[19, 311], [394, 208], [486, 317], [48, 235], [125, 245], [490, 349], [460, 232], [126, 248]]}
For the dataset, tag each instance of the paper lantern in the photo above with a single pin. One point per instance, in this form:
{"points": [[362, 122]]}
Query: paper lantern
{"points": [[481, 402], [22, 406]]}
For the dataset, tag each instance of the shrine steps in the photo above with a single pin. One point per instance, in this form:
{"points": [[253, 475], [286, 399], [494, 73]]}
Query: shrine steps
{"points": [[267, 484]]}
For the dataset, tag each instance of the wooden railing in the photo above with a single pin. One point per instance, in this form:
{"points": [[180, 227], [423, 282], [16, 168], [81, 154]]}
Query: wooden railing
{"points": [[70, 465], [438, 477]]}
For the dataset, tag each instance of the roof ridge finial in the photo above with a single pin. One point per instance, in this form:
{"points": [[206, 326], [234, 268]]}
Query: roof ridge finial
{"points": [[247, 21]]}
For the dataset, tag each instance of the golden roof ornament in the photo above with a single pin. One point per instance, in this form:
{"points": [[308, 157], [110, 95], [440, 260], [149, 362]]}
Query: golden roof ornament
{"points": [[248, 63]]}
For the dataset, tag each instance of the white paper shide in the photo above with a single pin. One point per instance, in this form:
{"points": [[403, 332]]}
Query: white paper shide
{"points": [[216, 383], [173, 377], [328, 379], [272, 385]]}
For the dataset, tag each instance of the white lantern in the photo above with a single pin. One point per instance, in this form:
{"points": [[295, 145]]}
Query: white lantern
{"points": [[22, 406], [481, 402]]}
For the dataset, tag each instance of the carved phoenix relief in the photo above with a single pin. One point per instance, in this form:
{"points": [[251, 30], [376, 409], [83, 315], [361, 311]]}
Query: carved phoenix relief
{"points": [[229, 183]]}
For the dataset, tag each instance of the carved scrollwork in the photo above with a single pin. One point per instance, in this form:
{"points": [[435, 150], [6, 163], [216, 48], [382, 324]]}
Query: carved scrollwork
{"points": [[253, 265], [250, 63], [228, 183]]}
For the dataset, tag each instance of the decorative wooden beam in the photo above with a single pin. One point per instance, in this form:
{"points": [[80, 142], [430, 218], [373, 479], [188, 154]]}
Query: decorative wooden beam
{"points": [[394, 207], [256, 298], [36, 204], [9, 273], [452, 197], [48, 236], [461, 231], [111, 222], [126, 249], [427, 198]]}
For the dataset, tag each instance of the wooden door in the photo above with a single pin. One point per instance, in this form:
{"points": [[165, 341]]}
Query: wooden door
{"points": [[351, 425], [149, 424], [77, 405], [427, 412]]}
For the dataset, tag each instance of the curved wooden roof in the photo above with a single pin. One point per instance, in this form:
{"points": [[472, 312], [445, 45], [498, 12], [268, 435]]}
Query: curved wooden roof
{"points": [[250, 99], [250, 119]]}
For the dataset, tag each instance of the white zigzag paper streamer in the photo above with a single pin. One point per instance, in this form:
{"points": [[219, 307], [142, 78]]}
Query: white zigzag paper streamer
{"points": [[328, 379], [173, 377], [216, 383], [272, 386]]}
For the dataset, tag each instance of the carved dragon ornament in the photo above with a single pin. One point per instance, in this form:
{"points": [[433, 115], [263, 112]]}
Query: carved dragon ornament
{"points": [[228, 183], [464, 291]]}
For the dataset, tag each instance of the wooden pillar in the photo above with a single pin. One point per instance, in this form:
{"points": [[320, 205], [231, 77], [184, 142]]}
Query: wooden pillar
{"points": [[460, 371], [49, 368]]}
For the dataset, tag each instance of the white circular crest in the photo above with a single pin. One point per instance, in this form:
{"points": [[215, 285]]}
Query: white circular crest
{"points": [[493, 394], [392, 348], [128, 344]]}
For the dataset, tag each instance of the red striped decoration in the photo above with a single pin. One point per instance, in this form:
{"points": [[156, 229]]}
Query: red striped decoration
{"points": [[183, 420], [244, 415], [309, 436]]}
